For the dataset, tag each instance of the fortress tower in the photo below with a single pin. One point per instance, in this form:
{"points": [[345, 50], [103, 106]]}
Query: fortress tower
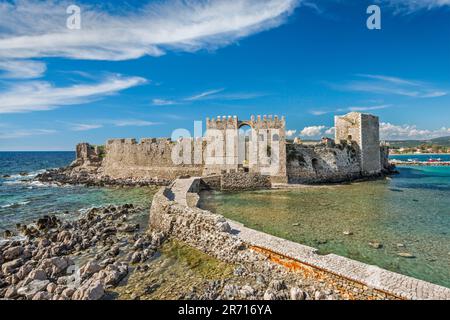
{"points": [[262, 150], [364, 131]]}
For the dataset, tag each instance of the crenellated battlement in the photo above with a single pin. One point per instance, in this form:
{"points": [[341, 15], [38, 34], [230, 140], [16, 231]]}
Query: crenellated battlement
{"points": [[222, 122]]}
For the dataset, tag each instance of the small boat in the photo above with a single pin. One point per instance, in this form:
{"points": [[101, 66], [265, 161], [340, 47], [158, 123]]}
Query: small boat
{"points": [[434, 160]]}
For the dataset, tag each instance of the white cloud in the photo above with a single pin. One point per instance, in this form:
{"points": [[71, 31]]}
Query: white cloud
{"points": [[41, 95], [216, 94], [313, 131], [350, 109], [331, 131], [85, 127], [32, 29], [115, 123], [134, 123], [163, 102], [291, 133], [204, 95], [21, 69], [390, 131], [22, 133], [388, 85], [410, 6]]}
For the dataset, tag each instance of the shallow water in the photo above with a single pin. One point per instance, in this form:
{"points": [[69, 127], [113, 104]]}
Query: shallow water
{"points": [[411, 209], [23, 201]]}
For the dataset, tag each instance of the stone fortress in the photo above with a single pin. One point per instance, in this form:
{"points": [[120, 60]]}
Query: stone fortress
{"points": [[355, 153]]}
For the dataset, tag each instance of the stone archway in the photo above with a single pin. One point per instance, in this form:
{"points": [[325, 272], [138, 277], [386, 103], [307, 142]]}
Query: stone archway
{"points": [[245, 136]]}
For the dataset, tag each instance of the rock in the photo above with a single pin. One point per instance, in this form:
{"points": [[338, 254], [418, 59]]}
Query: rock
{"points": [[128, 228], [13, 253], [68, 293], [406, 255], [400, 245], [230, 291], [297, 294], [51, 287], [7, 234], [223, 226], [319, 295], [89, 269], [37, 274], [348, 233], [375, 245], [269, 295], [43, 295], [277, 285], [47, 222], [9, 267], [139, 244], [56, 265], [24, 271], [136, 257], [11, 292], [32, 288], [296, 224], [114, 251], [92, 290], [247, 292], [44, 243], [112, 278]]}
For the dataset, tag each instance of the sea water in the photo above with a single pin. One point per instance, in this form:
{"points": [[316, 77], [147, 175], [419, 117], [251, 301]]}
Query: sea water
{"points": [[408, 213], [23, 200]]}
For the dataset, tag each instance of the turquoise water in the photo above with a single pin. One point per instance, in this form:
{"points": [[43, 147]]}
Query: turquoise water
{"points": [[22, 200], [409, 213], [421, 157]]}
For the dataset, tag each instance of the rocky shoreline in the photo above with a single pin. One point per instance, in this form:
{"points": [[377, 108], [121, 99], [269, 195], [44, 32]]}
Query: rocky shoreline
{"points": [[69, 176], [104, 255]]}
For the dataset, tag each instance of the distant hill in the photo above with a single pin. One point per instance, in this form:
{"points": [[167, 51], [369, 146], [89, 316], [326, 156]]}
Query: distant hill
{"points": [[443, 142]]}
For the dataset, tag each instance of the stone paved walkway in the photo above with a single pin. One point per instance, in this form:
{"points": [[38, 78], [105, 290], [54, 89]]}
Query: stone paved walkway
{"points": [[181, 187], [371, 276]]}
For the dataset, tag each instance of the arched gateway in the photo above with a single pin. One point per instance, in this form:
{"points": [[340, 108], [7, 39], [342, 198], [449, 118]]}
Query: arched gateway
{"points": [[257, 145]]}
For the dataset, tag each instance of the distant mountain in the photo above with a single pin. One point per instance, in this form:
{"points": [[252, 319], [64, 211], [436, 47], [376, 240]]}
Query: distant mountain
{"points": [[442, 141]]}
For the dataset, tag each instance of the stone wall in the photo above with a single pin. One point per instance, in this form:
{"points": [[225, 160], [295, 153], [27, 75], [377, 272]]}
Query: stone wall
{"points": [[201, 229], [322, 163], [150, 158], [244, 181]]}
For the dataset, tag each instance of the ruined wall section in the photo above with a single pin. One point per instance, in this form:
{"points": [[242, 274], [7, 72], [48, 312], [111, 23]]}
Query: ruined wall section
{"points": [[271, 131], [150, 158], [364, 130], [322, 163]]}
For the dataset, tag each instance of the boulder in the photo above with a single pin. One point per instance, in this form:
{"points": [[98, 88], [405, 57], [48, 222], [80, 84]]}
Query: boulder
{"points": [[9, 267], [37, 274], [13, 253], [43, 295], [91, 290], [297, 294], [89, 269], [32, 288]]}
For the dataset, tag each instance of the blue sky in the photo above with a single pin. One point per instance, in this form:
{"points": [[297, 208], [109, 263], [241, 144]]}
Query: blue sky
{"points": [[144, 68]]}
